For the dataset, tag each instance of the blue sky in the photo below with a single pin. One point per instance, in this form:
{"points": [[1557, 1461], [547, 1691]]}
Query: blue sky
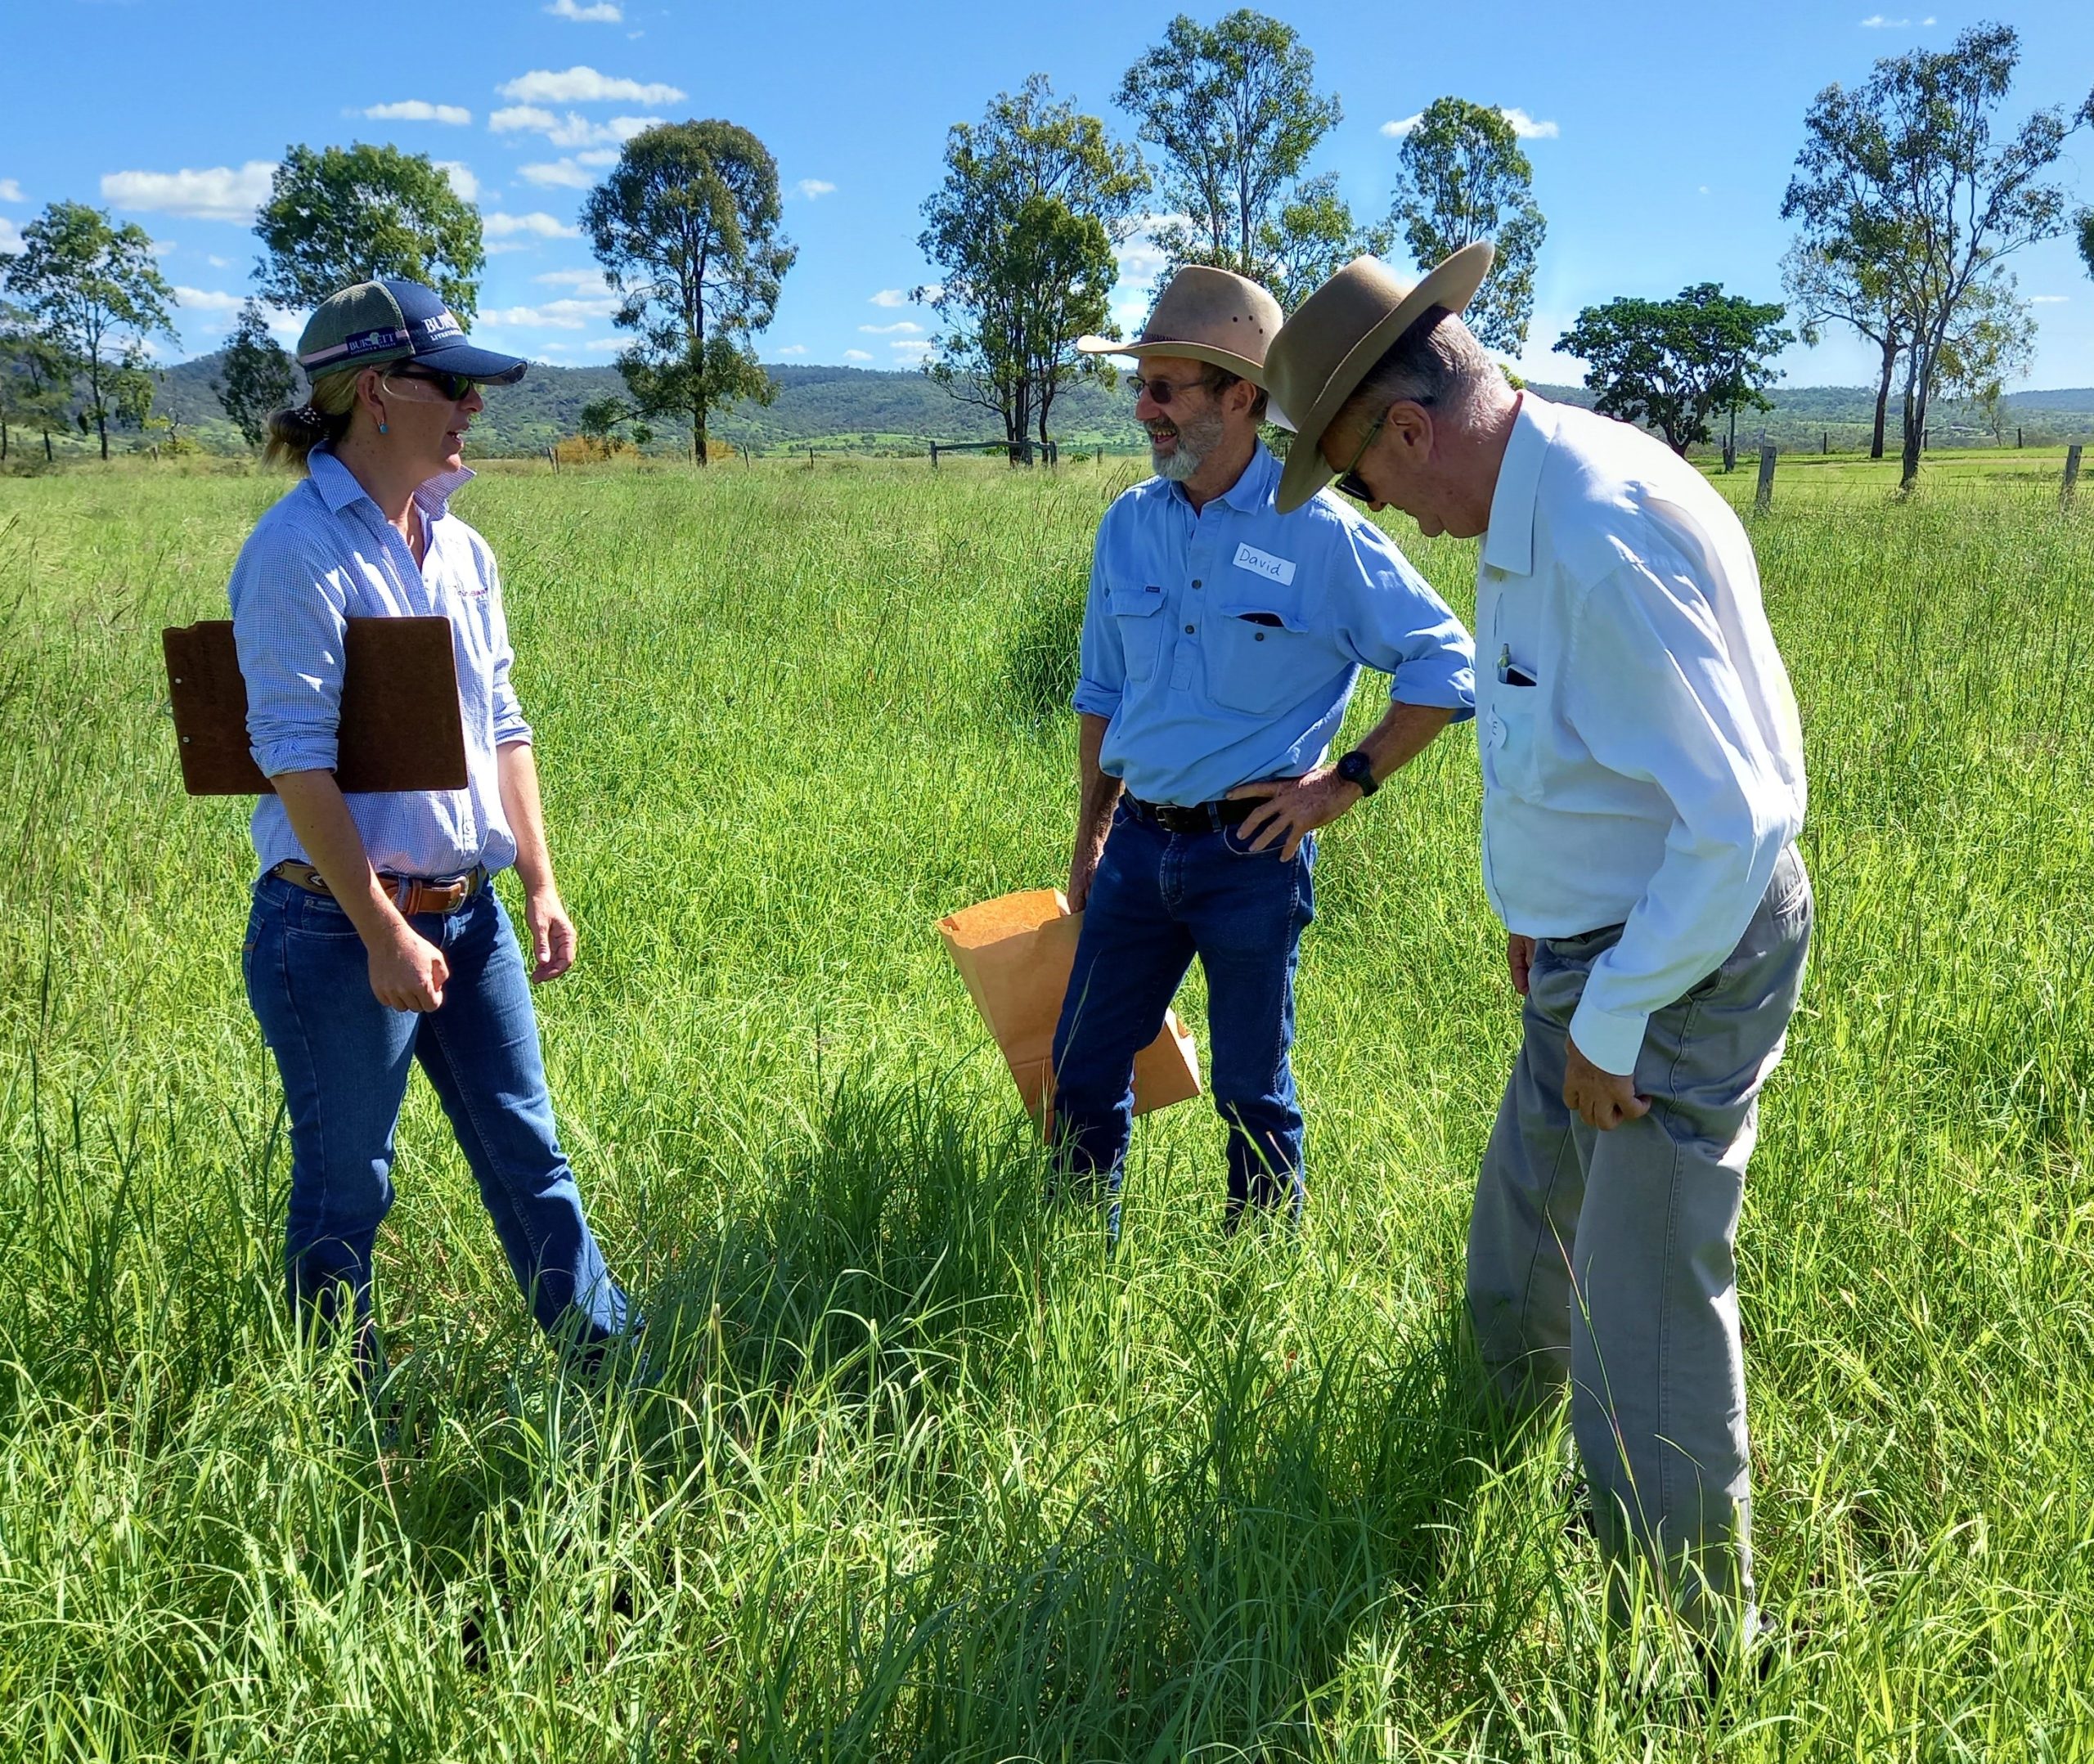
{"points": [[1663, 133]]}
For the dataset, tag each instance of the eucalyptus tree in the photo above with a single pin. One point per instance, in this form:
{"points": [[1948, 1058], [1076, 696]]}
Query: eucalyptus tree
{"points": [[1234, 114], [1462, 176], [255, 375], [1910, 172], [96, 296], [1024, 231], [353, 214], [687, 225]]}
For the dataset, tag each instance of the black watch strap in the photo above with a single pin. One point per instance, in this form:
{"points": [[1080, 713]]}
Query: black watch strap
{"points": [[1355, 768]]}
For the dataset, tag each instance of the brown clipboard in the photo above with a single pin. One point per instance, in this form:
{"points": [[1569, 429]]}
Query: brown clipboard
{"points": [[401, 727]]}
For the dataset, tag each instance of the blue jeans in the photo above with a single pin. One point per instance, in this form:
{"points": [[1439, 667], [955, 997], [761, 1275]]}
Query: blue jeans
{"points": [[1158, 899], [345, 1058]]}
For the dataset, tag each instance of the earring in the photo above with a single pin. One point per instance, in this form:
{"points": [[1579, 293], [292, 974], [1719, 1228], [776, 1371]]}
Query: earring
{"points": [[381, 428]]}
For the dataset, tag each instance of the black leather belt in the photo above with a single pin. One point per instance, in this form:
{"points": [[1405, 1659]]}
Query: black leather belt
{"points": [[1200, 817]]}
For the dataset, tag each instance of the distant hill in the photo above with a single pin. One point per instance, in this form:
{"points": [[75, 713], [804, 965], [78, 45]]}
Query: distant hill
{"points": [[848, 408], [862, 410]]}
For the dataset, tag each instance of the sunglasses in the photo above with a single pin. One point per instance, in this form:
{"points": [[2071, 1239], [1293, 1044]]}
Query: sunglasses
{"points": [[455, 386], [1161, 390], [1350, 483]]}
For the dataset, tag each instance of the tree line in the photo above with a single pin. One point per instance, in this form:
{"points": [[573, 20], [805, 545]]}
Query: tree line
{"points": [[1909, 194]]}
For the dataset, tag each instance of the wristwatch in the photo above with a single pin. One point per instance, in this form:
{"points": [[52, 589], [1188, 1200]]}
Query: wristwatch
{"points": [[1355, 768]]}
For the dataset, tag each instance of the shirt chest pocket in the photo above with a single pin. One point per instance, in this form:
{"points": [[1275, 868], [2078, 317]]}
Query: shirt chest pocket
{"points": [[1137, 613], [1262, 658], [1513, 725]]}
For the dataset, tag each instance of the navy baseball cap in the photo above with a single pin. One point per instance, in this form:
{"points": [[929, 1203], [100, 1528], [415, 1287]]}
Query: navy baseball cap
{"points": [[379, 321]]}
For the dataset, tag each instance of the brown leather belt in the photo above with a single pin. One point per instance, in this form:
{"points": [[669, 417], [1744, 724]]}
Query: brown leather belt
{"points": [[411, 894]]}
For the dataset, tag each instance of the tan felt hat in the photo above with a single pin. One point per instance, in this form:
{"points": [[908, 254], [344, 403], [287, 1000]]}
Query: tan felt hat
{"points": [[1208, 315], [1337, 336]]}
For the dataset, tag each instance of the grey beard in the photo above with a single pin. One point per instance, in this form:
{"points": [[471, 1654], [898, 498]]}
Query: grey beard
{"points": [[1197, 441]]}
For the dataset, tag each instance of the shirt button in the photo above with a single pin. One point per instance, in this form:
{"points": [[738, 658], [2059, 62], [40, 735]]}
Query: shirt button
{"points": [[1196, 582], [1189, 631]]}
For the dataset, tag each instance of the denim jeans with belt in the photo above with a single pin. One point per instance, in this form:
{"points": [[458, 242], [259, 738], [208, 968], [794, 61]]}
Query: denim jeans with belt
{"points": [[345, 1058], [1159, 899]]}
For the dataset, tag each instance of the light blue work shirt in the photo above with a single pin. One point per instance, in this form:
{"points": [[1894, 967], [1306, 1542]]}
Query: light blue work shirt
{"points": [[1223, 643], [322, 555]]}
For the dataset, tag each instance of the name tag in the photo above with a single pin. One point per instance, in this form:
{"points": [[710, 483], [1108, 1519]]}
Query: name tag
{"points": [[1280, 570]]}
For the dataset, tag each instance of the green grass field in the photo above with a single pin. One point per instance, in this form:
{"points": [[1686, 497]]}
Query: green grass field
{"points": [[930, 1477]]}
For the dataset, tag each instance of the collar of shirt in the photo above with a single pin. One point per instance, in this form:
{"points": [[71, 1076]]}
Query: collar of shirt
{"points": [[339, 489], [1252, 491], [1508, 544]]}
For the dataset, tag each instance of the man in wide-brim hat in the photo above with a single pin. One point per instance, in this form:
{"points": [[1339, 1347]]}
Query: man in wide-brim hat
{"points": [[1643, 787], [1221, 641]]}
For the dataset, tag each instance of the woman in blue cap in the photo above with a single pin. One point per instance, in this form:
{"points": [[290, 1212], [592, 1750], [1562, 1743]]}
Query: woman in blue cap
{"points": [[375, 941]]}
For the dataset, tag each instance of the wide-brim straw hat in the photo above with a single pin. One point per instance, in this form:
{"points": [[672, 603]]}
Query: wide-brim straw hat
{"points": [[1334, 339], [1212, 316]]}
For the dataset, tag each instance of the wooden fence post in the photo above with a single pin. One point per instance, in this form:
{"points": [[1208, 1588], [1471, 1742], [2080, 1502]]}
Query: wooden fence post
{"points": [[1825, 441], [552, 458], [2017, 434], [934, 456], [2071, 475], [1764, 497]]}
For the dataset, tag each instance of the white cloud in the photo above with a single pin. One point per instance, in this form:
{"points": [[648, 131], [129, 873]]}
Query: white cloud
{"points": [[11, 238], [1523, 125], [604, 343], [603, 12], [2048, 299], [890, 297], [573, 130], [814, 188], [560, 174], [218, 262], [908, 347], [793, 348], [901, 326], [1877, 21], [421, 110], [205, 300], [522, 116], [11, 191], [460, 176], [855, 355], [585, 85], [590, 279], [1703, 188], [219, 193], [554, 315], [1141, 258], [541, 226]]}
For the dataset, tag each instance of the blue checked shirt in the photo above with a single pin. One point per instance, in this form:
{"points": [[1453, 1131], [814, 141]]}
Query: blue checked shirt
{"points": [[1223, 644], [324, 554]]}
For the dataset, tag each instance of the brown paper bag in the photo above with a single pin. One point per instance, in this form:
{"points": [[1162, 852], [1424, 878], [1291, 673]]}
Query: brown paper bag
{"points": [[1016, 955]]}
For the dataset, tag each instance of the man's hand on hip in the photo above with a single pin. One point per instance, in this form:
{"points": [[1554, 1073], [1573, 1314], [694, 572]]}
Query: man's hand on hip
{"points": [[1291, 809], [1519, 960], [1600, 1099]]}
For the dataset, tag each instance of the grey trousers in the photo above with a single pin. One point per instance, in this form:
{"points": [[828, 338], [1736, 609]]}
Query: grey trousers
{"points": [[1606, 1259]]}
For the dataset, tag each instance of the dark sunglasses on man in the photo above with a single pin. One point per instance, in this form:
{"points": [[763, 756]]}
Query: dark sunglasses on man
{"points": [[1350, 483], [1161, 390]]}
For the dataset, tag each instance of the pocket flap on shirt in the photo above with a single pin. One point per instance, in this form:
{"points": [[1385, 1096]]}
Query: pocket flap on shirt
{"points": [[1267, 615], [1136, 601]]}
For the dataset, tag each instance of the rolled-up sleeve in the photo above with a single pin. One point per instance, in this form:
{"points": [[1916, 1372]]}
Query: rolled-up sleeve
{"points": [[1102, 663], [1393, 621], [508, 724], [289, 620], [1669, 708]]}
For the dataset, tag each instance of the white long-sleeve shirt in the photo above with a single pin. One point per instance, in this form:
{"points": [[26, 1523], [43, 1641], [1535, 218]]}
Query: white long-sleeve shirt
{"points": [[1652, 773]]}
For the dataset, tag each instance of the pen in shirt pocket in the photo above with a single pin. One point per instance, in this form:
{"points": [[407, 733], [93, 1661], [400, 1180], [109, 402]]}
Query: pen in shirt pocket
{"points": [[1509, 673]]}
